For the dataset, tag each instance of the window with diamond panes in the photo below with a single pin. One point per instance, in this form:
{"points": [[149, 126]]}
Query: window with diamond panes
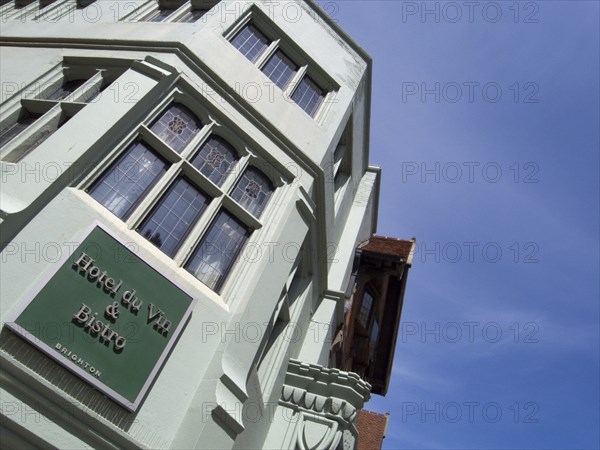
{"points": [[216, 159], [174, 215], [125, 184], [218, 250], [251, 42], [253, 191], [177, 126]]}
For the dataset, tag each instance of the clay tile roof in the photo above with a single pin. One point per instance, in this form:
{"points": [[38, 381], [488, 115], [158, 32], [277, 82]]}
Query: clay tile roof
{"points": [[390, 246], [371, 429]]}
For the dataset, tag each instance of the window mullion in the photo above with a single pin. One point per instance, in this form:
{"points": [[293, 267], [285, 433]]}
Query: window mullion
{"points": [[39, 106], [198, 231], [141, 13], [6, 9], [70, 108], [270, 51], [240, 213], [200, 180], [179, 12], [295, 81], [26, 10], [240, 167], [18, 147], [47, 9], [158, 145], [153, 196], [195, 143], [84, 91]]}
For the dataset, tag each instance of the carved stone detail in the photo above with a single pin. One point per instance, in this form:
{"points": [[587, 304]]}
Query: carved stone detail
{"points": [[327, 401]]}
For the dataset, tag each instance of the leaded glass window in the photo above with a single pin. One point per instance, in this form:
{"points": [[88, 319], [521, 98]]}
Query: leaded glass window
{"points": [[173, 222], [253, 191], [280, 69], [373, 339], [251, 42], [126, 183], [177, 127], [366, 307], [217, 250], [174, 216], [308, 96], [215, 159]]}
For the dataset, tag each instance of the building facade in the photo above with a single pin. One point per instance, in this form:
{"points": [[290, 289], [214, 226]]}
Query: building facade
{"points": [[186, 224]]}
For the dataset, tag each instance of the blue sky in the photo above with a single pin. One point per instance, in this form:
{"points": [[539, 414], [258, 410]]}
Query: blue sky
{"points": [[495, 170]]}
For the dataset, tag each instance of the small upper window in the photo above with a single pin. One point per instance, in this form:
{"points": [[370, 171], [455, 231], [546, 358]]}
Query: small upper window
{"points": [[215, 159], [251, 42], [47, 105], [125, 184], [12, 131], [309, 96], [42, 127], [193, 15], [374, 339], [22, 3], [366, 307], [67, 88], [280, 69], [158, 15], [176, 127], [253, 191]]}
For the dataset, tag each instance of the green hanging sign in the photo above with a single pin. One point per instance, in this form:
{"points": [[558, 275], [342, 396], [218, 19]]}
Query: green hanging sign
{"points": [[106, 315]]}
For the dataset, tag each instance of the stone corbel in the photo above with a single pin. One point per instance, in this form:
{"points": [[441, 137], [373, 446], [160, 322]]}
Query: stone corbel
{"points": [[230, 395], [327, 403]]}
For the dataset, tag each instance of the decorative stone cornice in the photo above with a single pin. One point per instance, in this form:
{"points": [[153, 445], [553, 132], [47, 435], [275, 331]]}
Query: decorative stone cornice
{"points": [[327, 401], [326, 382]]}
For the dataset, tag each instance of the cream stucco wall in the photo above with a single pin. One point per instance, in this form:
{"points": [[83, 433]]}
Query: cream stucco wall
{"points": [[210, 383]]}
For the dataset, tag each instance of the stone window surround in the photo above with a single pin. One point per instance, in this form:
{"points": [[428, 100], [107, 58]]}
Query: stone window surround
{"points": [[53, 112], [37, 10], [280, 41], [180, 9], [180, 165]]}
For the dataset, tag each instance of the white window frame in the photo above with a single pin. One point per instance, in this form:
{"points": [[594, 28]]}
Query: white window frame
{"points": [[180, 9], [280, 41], [180, 165]]}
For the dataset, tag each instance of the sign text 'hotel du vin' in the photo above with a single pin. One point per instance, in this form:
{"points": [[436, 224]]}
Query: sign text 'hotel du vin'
{"points": [[106, 315]]}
